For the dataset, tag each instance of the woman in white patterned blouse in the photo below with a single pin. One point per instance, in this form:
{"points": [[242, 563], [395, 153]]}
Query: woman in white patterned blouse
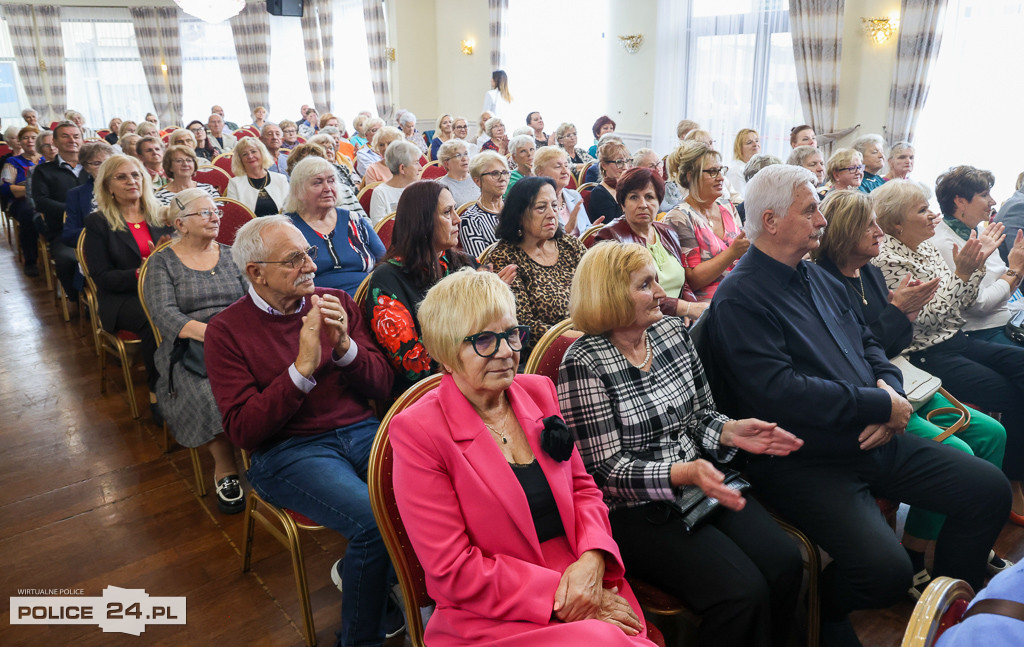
{"points": [[634, 393]]}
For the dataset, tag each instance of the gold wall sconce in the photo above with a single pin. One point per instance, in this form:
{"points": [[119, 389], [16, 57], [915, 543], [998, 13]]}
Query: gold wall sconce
{"points": [[880, 30], [632, 42], [389, 52], [467, 46]]}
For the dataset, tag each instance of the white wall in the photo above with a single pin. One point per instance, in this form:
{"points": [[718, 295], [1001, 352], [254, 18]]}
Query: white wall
{"points": [[630, 98], [866, 70]]}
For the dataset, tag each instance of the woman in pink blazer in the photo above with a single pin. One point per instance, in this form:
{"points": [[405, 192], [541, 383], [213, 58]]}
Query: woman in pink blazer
{"points": [[511, 531]]}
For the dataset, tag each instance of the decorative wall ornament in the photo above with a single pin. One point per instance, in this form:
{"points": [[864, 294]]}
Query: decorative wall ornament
{"points": [[632, 42]]}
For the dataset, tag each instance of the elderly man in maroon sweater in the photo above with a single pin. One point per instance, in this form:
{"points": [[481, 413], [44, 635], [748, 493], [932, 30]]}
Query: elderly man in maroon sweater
{"points": [[292, 367]]}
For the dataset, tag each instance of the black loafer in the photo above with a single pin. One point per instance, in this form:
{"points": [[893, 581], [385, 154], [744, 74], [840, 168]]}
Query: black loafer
{"points": [[230, 498]]}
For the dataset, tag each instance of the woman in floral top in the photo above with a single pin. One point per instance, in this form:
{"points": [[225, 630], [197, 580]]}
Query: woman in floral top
{"points": [[421, 254], [709, 230]]}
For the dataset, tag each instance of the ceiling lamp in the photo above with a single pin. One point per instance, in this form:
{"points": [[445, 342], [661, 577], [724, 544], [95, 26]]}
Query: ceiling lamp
{"points": [[211, 10]]}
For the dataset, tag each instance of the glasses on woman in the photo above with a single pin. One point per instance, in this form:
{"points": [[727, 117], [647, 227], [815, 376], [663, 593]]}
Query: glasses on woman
{"points": [[487, 343], [206, 214], [715, 172], [296, 260], [853, 169], [497, 175], [620, 163], [457, 156]]}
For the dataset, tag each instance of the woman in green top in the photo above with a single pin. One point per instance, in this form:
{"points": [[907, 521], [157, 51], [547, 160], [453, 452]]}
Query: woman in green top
{"points": [[639, 191]]}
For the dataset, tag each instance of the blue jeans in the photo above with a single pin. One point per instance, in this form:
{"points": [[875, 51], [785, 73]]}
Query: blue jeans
{"points": [[323, 477]]}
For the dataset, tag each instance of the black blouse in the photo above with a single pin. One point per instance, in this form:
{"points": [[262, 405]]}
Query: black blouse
{"points": [[542, 502]]}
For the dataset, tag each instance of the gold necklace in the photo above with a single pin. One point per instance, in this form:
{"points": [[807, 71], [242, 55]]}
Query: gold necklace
{"points": [[863, 295], [499, 434]]}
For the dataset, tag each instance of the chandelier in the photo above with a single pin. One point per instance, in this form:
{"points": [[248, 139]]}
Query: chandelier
{"points": [[211, 10]]}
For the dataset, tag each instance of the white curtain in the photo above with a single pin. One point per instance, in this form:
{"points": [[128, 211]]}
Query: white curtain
{"points": [[159, 40], [317, 36], [499, 31], [250, 31], [39, 52], [916, 51], [376, 43], [817, 27]]}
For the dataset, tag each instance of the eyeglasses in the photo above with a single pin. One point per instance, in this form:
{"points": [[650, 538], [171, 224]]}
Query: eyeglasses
{"points": [[498, 175], [458, 156], [289, 131], [487, 343], [95, 163], [296, 260], [853, 169], [197, 129], [715, 172], [620, 163], [206, 214]]}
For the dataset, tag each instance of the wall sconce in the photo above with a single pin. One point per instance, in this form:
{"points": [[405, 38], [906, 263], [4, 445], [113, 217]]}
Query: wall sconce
{"points": [[632, 42], [390, 53], [880, 30], [163, 67], [467, 47]]}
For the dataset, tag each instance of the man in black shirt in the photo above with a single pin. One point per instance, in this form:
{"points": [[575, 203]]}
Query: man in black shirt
{"points": [[788, 346]]}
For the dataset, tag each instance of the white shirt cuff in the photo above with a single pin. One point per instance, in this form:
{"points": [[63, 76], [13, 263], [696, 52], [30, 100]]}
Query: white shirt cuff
{"points": [[301, 382], [348, 357]]}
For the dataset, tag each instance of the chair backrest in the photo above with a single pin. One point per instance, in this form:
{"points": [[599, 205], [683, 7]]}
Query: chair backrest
{"points": [[465, 205], [585, 190], [364, 196], [582, 174], [549, 350], [423, 160], [215, 176], [572, 182], [223, 162], [166, 137], [484, 255], [235, 215], [142, 292], [589, 237], [241, 133], [433, 171], [82, 264], [102, 133], [360, 296], [941, 606], [385, 228], [380, 479]]}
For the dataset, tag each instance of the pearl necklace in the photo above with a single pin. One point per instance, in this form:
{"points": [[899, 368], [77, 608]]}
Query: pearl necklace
{"points": [[647, 357]]}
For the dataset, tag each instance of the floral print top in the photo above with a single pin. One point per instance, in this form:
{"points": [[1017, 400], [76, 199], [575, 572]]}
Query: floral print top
{"points": [[698, 239]]}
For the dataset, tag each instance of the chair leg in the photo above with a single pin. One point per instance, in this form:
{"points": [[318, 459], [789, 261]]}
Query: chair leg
{"points": [[299, 566], [44, 256], [248, 529], [197, 468], [129, 386], [17, 242], [62, 297], [103, 367], [813, 567]]}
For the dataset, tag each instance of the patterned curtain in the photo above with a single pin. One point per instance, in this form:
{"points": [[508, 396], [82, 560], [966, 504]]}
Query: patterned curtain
{"points": [[376, 44], [317, 20], [38, 43], [918, 46], [817, 30], [499, 31], [159, 41], [251, 32]]}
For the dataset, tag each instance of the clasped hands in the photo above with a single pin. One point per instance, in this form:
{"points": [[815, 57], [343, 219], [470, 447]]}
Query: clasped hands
{"points": [[326, 311], [878, 434], [581, 596]]}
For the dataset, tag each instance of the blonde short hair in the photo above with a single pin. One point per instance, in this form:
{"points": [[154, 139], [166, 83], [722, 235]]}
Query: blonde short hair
{"points": [[483, 160], [174, 138], [384, 137], [841, 159], [146, 128], [459, 305], [547, 154], [893, 199], [179, 205], [599, 300], [244, 144], [107, 203]]}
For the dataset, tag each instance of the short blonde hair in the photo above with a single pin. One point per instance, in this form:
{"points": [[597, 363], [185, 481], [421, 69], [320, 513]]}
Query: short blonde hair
{"points": [[893, 199], [737, 144], [244, 144], [599, 300], [841, 159], [547, 154], [175, 136], [685, 126], [384, 137], [146, 128], [491, 124], [482, 161], [179, 204], [107, 203], [168, 162], [459, 305], [848, 214]]}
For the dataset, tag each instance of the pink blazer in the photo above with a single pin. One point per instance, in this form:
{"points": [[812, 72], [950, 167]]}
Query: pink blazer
{"points": [[470, 524]]}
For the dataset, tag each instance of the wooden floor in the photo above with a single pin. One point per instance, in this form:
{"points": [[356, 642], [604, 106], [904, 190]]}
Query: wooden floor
{"points": [[88, 499]]}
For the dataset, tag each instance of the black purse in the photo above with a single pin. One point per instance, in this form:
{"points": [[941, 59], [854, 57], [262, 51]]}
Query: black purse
{"points": [[695, 507], [191, 354]]}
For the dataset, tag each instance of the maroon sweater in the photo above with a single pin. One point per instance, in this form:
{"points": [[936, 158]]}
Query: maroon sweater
{"points": [[248, 353]]}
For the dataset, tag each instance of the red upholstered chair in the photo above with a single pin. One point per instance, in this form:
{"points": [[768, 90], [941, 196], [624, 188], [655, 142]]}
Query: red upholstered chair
{"points": [[166, 137], [242, 133], [214, 176], [423, 160], [4, 149], [589, 237], [385, 228], [364, 196], [102, 133], [276, 519], [581, 176], [585, 190], [235, 215], [942, 605], [223, 162], [572, 182], [433, 171]]}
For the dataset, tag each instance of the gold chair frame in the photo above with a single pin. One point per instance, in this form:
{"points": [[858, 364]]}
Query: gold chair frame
{"points": [[928, 612]]}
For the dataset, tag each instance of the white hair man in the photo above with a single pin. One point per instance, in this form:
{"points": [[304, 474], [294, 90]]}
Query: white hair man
{"points": [[787, 346], [292, 368]]}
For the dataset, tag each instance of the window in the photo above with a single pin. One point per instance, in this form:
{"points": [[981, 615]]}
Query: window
{"points": [[539, 56], [289, 81], [974, 101], [210, 72], [353, 89], [12, 92], [734, 70], [104, 74]]}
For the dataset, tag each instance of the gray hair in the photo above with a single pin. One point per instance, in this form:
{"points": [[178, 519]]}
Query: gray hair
{"points": [[90, 150], [333, 131], [263, 131], [450, 148], [491, 124], [178, 205], [249, 246], [28, 111], [373, 121], [800, 154], [43, 134], [523, 130], [303, 172], [609, 137], [773, 189], [861, 143], [892, 204], [563, 128], [11, 133], [758, 162], [521, 141], [642, 153], [400, 152], [407, 118], [899, 147]]}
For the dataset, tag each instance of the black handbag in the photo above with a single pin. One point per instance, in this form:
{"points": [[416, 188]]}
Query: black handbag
{"points": [[1015, 328], [191, 354], [695, 507]]}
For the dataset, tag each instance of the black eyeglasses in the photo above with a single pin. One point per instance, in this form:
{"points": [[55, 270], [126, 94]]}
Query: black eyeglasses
{"points": [[205, 214], [498, 175], [486, 343], [296, 260], [715, 172]]}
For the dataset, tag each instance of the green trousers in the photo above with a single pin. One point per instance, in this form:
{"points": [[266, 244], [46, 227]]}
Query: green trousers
{"points": [[984, 437]]}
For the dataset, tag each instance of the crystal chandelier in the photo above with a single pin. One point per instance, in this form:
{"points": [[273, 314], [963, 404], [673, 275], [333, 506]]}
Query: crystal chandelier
{"points": [[211, 10]]}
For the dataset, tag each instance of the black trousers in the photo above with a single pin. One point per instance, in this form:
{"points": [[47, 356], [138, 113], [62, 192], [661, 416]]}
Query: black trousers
{"points": [[990, 377], [833, 501], [67, 267], [741, 572], [28, 237], [131, 317]]}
